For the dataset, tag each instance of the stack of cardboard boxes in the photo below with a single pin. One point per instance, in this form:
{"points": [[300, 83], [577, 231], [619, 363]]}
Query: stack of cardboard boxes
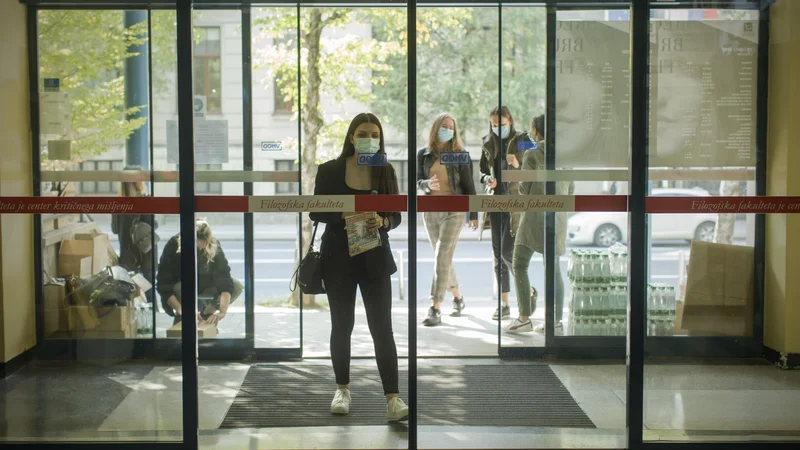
{"points": [[85, 255], [70, 316], [82, 255]]}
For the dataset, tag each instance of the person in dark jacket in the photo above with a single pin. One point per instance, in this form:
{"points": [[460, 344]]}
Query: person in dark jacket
{"points": [[444, 228], [370, 271], [130, 257], [216, 289], [495, 158]]}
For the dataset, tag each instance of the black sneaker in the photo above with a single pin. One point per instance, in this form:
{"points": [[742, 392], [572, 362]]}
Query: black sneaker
{"points": [[434, 317], [458, 306], [506, 313]]}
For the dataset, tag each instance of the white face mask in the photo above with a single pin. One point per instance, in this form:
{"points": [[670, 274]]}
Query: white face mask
{"points": [[367, 145]]}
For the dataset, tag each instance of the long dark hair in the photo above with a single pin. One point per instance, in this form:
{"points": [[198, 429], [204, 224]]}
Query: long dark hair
{"points": [[538, 124], [384, 178], [500, 112]]}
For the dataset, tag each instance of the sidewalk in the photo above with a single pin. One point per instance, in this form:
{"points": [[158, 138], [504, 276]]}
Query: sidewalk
{"points": [[288, 232]]}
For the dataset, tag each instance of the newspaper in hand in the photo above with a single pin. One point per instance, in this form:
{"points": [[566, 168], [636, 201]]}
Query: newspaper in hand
{"points": [[359, 238]]}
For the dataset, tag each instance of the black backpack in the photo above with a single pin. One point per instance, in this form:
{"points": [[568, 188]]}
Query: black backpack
{"points": [[142, 236]]}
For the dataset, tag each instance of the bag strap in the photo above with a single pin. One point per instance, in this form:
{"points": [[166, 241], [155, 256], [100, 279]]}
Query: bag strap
{"points": [[313, 236], [293, 280]]}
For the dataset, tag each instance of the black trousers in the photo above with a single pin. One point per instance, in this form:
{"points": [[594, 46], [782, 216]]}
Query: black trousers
{"points": [[503, 256], [377, 295]]}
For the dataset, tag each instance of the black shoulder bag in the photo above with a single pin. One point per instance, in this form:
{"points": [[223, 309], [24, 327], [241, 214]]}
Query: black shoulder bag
{"points": [[309, 273]]}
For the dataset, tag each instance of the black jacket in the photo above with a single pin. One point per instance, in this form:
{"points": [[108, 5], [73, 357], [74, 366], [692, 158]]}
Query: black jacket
{"points": [[459, 177], [216, 273], [336, 260], [492, 159]]}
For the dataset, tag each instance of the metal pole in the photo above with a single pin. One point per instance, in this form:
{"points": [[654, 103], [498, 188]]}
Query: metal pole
{"points": [[189, 357], [247, 166], [411, 32], [33, 93], [551, 259], [137, 93], [762, 110], [637, 218]]}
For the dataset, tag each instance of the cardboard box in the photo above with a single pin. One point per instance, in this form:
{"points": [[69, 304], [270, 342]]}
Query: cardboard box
{"points": [[204, 330], [71, 257], [48, 224], [100, 246], [678, 324], [719, 290], [55, 308], [113, 258], [142, 282], [82, 318], [65, 221], [89, 318], [129, 332]]}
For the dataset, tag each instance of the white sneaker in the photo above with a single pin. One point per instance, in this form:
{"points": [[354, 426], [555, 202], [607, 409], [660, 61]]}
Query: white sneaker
{"points": [[396, 410], [519, 326], [540, 328], [341, 401]]}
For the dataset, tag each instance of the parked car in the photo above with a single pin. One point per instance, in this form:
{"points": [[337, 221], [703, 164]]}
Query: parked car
{"points": [[606, 229]]}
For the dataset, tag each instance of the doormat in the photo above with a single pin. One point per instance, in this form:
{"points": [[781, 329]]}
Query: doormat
{"points": [[299, 395]]}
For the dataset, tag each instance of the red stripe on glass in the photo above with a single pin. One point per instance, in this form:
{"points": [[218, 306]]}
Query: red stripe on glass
{"points": [[381, 203], [727, 205], [89, 205]]}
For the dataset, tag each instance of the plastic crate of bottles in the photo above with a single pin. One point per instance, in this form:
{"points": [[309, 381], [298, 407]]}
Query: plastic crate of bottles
{"points": [[598, 303]]}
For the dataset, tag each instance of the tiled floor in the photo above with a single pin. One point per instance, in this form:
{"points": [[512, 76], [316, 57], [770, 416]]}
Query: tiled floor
{"points": [[473, 334], [129, 401]]}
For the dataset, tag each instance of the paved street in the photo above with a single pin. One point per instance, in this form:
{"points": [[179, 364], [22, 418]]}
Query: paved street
{"points": [[277, 324]]}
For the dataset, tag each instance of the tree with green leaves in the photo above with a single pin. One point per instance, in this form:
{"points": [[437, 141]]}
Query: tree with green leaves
{"points": [[339, 67], [457, 68], [86, 50]]}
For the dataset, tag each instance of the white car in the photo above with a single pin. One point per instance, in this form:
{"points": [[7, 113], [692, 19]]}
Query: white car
{"points": [[606, 229]]}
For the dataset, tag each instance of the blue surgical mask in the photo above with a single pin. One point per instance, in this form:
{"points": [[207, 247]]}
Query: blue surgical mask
{"points": [[367, 145], [503, 131], [445, 134]]}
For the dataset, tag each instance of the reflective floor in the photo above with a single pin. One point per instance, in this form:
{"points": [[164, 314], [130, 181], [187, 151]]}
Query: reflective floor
{"points": [[140, 401]]}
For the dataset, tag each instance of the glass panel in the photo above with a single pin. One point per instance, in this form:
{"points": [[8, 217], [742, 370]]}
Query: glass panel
{"points": [[289, 166], [592, 139], [456, 289], [85, 384], [703, 278], [275, 152]]}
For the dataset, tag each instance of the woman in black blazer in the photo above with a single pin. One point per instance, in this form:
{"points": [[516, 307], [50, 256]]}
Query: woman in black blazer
{"points": [[370, 271]]}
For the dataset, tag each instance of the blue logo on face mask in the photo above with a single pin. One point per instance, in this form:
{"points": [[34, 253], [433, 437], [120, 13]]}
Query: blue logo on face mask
{"points": [[371, 159], [454, 158], [526, 144]]}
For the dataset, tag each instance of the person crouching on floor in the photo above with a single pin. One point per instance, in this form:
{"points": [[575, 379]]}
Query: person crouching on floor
{"points": [[216, 289]]}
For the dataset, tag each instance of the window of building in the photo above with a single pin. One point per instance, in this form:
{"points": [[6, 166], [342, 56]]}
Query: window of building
{"points": [[286, 166], [99, 187], [208, 187], [281, 104], [208, 68]]}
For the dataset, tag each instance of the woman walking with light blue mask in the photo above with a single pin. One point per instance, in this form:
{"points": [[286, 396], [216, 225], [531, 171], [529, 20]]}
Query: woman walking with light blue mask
{"points": [[444, 168], [496, 157], [369, 271]]}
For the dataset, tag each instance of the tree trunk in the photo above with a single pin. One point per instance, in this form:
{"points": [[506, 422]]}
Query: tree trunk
{"points": [[725, 222], [313, 121]]}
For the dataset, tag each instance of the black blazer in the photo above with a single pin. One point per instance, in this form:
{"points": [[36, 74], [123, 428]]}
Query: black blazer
{"points": [[336, 260]]}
